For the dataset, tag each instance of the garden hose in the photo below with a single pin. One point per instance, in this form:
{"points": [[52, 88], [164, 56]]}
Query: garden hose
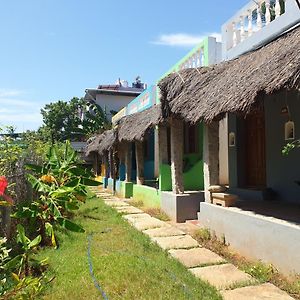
{"points": [[96, 283]]}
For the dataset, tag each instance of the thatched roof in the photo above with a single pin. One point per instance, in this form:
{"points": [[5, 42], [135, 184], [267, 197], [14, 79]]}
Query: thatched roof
{"points": [[235, 86], [135, 127], [108, 140], [92, 145]]}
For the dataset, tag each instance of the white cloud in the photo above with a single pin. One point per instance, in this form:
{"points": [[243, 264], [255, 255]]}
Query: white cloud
{"points": [[16, 109], [9, 93], [183, 39]]}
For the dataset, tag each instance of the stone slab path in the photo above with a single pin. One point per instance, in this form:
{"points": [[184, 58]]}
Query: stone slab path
{"points": [[129, 210], [233, 283], [266, 291], [176, 242], [197, 257], [223, 276], [163, 231]]}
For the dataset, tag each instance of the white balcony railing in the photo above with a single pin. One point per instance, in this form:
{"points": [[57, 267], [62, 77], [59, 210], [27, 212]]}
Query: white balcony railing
{"points": [[252, 19], [194, 60], [260, 19]]}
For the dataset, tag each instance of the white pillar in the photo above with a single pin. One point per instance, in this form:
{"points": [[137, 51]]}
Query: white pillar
{"points": [[268, 14], [177, 156]]}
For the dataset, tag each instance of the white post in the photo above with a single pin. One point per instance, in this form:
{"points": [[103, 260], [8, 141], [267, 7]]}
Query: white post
{"points": [[268, 14], [234, 34], [277, 9], [259, 20], [242, 20], [250, 27]]}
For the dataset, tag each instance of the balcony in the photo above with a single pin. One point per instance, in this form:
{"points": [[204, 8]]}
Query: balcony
{"points": [[256, 24]]}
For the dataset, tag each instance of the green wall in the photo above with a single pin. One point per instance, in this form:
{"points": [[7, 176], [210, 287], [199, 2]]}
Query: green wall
{"points": [[193, 173], [150, 196]]}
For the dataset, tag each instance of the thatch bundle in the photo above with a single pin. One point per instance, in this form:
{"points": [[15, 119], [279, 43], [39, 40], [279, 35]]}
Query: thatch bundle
{"points": [[108, 140], [135, 127], [235, 86], [92, 144]]}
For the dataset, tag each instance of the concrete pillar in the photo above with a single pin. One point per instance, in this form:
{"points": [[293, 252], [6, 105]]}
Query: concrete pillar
{"points": [[177, 156], [210, 157], [139, 153], [128, 162]]}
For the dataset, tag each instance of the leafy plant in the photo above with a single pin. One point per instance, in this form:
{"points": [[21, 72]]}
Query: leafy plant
{"points": [[24, 264], [290, 146], [61, 186], [16, 274]]}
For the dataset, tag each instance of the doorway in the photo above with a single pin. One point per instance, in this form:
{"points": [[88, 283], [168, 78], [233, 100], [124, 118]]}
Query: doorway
{"points": [[255, 150]]}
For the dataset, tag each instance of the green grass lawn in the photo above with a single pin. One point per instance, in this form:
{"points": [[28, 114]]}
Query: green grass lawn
{"points": [[126, 264]]}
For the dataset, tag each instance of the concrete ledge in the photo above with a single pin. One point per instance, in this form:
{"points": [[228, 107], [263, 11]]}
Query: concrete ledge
{"points": [[110, 185], [124, 189], [255, 236], [181, 207]]}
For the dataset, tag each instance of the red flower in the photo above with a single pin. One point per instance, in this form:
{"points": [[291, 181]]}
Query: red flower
{"points": [[3, 185]]}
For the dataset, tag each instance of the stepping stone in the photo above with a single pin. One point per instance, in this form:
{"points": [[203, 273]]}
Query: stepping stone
{"points": [[148, 223], [176, 242], [196, 257], [266, 291], [222, 276], [164, 231], [129, 210], [116, 203], [132, 218]]}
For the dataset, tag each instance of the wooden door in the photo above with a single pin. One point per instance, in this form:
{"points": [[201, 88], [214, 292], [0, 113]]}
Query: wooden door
{"points": [[255, 150]]}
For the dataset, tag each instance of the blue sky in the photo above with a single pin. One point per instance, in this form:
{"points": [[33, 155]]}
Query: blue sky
{"points": [[53, 49]]}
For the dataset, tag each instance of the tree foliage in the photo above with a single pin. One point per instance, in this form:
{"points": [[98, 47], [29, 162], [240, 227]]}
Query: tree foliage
{"points": [[72, 120]]}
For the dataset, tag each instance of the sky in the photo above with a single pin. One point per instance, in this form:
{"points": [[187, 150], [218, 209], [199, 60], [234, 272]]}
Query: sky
{"points": [[53, 50]]}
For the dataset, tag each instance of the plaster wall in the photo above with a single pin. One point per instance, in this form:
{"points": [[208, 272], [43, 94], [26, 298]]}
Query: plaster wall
{"points": [[150, 196], [282, 172], [254, 236], [181, 207], [112, 102]]}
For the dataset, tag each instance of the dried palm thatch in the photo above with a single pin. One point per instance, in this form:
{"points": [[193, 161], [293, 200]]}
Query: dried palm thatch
{"points": [[135, 127], [92, 145], [108, 141], [236, 86]]}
